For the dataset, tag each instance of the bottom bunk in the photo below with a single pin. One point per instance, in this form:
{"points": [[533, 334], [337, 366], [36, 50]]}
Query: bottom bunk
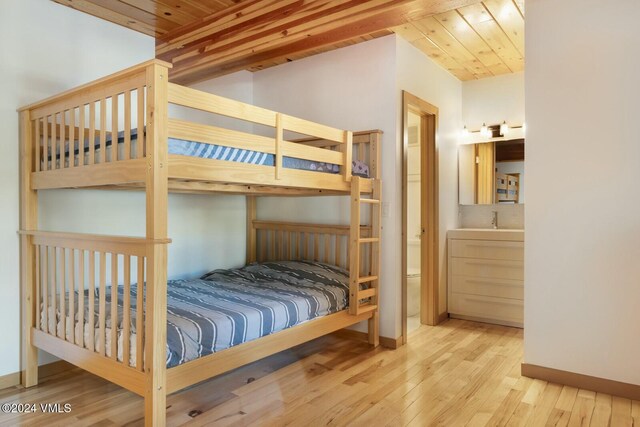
{"points": [[216, 323], [222, 309]]}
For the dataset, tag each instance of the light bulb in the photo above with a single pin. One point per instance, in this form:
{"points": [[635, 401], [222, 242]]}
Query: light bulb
{"points": [[504, 128], [484, 130]]}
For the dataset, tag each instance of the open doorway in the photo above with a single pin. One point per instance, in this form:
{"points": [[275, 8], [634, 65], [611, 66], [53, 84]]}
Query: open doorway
{"points": [[419, 215]]}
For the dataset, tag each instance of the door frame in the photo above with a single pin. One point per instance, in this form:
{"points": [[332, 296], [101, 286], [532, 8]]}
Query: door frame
{"points": [[429, 201]]}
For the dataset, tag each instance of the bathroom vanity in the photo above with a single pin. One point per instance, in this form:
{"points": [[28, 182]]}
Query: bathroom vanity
{"points": [[486, 275]]}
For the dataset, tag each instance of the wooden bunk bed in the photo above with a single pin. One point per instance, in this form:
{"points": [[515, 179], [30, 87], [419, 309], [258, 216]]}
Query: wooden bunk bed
{"points": [[85, 138]]}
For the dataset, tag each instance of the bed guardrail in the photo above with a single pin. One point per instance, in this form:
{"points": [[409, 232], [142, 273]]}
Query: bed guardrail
{"points": [[81, 128], [330, 244], [76, 279], [102, 133], [276, 241], [339, 151]]}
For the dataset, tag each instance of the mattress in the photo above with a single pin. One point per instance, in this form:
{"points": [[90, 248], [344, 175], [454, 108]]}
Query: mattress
{"points": [[210, 151], [225, 308]]}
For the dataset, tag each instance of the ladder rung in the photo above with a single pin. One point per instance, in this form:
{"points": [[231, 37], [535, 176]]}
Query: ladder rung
{"points": [[369, 240], [366, 279], [365, 308], [366, 293], [372, 201]]}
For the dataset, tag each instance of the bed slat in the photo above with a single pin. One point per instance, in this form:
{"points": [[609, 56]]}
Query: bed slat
{"points": [[45, 289], [81, 133], [54, 141], [114, 306], [45, 143], [81, 280], [63, 139], [92, 133], [114, 128], [139, 315], [72, 137], [127, 125], [126, 311], [54, 302], [37, 138], [37, 285], [305, 246], [91, 300], [72, 296], [103, 130], [141, 124], [102, 305], [279, 138]]}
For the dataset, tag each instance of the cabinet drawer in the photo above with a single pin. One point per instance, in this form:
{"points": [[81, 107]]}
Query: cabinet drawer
{"points": [[487, 249], [490, 308], [502, 288], [493, 269]]}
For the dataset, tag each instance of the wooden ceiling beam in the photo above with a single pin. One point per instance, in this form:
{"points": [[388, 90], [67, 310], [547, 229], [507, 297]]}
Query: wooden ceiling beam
{"points": [[255, 32]]}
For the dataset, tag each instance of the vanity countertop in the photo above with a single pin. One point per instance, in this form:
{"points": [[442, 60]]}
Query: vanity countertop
{"points": [[516, 235]]}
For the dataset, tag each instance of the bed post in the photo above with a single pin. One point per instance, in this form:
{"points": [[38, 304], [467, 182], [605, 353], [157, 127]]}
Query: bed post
{"points": [[347, 148], [251, 230], [374, 154], [28, 221], [374, 160], [156, 293], [373, 327]]}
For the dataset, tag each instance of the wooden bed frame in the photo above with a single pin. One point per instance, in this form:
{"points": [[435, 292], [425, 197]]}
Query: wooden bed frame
{"points": [[54, 263]]}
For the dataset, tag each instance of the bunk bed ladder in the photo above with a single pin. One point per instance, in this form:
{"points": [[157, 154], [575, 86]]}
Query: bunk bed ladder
{"points": [[363, 279]]}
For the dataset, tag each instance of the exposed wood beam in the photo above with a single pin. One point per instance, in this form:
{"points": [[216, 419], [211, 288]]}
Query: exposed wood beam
{"points": [[256, 32]]}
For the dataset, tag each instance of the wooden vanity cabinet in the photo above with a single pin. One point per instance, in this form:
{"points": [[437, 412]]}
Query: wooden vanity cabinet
{"points": [[486, 275]]}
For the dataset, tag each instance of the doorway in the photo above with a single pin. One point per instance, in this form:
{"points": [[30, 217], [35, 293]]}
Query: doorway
{"points": [[420, 254]]}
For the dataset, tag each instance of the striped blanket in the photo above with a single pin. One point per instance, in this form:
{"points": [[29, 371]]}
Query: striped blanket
{"points": [[229, 307], [211, 151]]}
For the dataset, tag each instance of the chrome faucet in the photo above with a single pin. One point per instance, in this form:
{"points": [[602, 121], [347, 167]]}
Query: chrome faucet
{"points": [[494, 220]]}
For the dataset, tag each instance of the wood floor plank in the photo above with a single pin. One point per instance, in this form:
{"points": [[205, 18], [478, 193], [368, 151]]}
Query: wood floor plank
{"points": [[458, 373], [635, 412], [602, 411], [583, 408], [621, 412]]}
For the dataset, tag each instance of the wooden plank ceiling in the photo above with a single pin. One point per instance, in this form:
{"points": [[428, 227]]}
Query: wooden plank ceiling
{"points": [[209, 38], [472, 42]]}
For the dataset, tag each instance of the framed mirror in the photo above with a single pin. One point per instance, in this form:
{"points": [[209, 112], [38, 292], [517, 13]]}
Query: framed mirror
{"points": [[491, 172]]}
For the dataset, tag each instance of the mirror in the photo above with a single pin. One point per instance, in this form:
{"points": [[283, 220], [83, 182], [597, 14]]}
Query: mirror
{"points": [[491, 172]]}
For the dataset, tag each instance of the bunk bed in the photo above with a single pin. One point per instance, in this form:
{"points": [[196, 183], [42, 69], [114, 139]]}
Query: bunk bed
{"points": [[120, 132]]}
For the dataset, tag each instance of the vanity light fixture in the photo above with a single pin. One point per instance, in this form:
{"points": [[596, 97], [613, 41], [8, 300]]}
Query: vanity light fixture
{"points": [[493, 131]]}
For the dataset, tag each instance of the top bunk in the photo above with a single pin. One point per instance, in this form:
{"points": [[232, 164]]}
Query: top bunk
{"points": [[112, 132]]}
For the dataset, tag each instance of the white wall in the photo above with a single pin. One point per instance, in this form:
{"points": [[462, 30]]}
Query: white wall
{"points": [[351, 88], [423, 78], [493, 100], [46, 48], [583, 207]]}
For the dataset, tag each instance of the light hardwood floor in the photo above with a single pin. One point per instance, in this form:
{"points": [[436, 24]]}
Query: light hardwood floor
{"points": [[458, 373]]}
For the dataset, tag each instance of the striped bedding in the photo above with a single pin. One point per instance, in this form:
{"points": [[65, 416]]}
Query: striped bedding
{"points": [[229, 307], [217, 152]]}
